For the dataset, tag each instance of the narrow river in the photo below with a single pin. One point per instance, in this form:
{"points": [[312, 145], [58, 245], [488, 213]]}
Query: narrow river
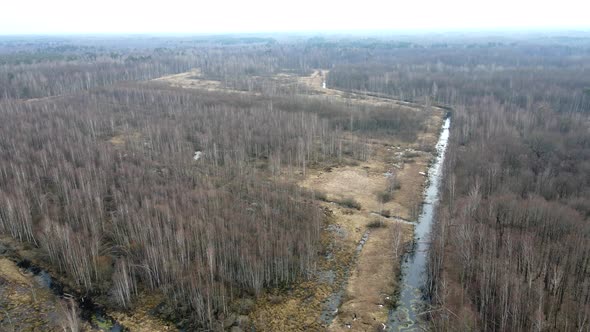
{"points": [[411, 300]]}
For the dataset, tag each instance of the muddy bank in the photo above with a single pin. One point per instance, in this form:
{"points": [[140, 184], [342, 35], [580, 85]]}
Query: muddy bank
{"points": [[332, 303], [412, 302], [31, 297], [89, 311]]}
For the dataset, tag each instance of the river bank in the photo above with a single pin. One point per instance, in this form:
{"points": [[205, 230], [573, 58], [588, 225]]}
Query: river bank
{"points": [[412, 302]]}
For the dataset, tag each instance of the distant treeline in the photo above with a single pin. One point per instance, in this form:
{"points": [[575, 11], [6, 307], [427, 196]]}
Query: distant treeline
{"points": [[104, 180]]}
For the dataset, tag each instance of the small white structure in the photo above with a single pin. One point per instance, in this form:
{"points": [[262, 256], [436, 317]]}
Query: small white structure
{"points": [[324, 84], [198, 155]]}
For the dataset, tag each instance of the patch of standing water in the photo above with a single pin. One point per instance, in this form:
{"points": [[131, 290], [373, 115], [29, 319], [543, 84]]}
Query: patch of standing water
{"points": [[411, 301], [89, 311], [332, 303]]}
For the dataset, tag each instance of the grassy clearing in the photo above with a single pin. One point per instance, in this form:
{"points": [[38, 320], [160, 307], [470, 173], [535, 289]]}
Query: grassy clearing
{"points": [[374, 276]]}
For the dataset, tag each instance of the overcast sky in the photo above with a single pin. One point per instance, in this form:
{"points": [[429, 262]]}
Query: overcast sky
{"points": [[214, 16]]}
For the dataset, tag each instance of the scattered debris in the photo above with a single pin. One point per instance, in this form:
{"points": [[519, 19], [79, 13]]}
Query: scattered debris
{"points": [[198, 155]]}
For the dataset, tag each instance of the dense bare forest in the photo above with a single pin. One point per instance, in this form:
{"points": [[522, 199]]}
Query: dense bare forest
{"points": [[510, 251], [512, 237], [124, 185], [127, 185], [510, 248]]}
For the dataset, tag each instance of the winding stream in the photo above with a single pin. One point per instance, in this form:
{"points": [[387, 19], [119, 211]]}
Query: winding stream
{"points": [[90, 311], [411, 301]]}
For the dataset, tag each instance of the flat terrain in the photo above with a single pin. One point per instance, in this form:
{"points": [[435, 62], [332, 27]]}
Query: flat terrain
{"points": [[360, 265], [374, 272], [191, 79]]}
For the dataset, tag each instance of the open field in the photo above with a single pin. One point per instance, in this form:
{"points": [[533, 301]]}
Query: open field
{"points": [[190, 80], [310, 86]]}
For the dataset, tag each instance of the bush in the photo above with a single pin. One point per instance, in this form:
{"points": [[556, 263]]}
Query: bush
{"points": [[384, 196], [351, 203], [377, 223], [320, 195]]}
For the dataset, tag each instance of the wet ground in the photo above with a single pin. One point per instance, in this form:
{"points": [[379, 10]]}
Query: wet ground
{"points": [[412, 301]]}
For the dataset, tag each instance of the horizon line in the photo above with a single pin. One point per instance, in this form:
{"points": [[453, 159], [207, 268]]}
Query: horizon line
{"points": [[475, 30]]}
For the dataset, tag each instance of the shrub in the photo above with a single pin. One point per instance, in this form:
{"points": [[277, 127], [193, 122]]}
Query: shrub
{"points": [[320, 195], [384, 196], [351, 203], [386, 213], [377, 223]]}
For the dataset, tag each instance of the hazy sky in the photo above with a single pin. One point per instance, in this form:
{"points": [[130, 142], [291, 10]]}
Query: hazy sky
{"points": [[211, 16]]}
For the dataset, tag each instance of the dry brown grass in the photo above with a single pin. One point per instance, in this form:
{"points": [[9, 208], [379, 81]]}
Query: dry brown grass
{"points": [[25, 305], [12, 274], [139, 319], [313, 86], [120, 139], [190, 80], [371, 283], [300, 307], [375, 272]]}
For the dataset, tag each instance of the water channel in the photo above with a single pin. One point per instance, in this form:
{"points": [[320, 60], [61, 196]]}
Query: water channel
{"points": [[412, 301]]}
